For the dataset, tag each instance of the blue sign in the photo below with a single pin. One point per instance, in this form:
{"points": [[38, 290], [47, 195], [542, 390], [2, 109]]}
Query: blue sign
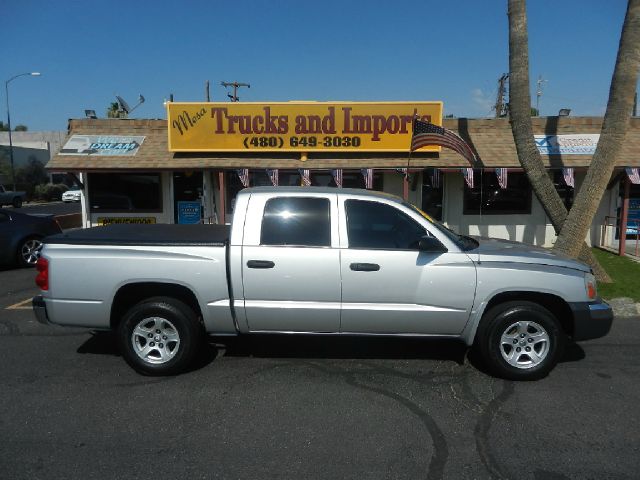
{"points": [[188, 212]]}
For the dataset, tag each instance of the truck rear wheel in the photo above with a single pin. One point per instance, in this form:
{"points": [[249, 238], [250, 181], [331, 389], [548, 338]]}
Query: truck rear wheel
{"points": [[160, 336], [520, 340]]}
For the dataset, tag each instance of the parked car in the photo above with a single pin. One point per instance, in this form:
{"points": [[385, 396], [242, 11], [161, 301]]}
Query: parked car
{"points": [[21, 236], [72, 196], [9, 197], [318, 261]]}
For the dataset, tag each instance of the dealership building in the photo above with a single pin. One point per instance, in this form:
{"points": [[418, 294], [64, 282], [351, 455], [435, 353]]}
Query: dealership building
{"points": [[190, 167]]}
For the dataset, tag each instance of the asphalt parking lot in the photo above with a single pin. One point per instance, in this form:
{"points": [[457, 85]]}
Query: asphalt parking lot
{"points": [[291, 407]]}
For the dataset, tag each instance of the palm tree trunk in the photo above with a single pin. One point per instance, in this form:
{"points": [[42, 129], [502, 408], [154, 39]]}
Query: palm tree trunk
{"points": [[614, 129], [520, 119]]}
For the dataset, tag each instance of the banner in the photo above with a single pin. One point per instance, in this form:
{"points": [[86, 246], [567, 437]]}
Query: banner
{"points": [[297, 126], [579, 144], [103, 145]]}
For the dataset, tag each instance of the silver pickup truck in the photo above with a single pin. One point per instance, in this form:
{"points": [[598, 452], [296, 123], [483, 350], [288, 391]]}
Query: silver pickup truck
{"points": [[318, 261]]}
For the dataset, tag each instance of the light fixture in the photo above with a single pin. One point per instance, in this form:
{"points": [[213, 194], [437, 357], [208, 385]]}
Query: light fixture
{"points": [[564, 112], [90, 114]]}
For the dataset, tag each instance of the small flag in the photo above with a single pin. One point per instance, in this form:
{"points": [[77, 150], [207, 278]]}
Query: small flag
{"points": [[633, 174], [337, 177], [306, 178], [367, 173], [272, 173], [567, 173], [435, 178], [501, 173], [243, 173], [425, 133], [403, 171], [468, 176]]}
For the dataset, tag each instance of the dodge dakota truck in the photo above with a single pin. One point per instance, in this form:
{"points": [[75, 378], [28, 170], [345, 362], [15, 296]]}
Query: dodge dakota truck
{"points": [[322, 261]]}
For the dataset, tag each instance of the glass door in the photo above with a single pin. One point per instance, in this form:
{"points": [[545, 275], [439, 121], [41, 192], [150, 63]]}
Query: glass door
{"points": [[187, 197]]}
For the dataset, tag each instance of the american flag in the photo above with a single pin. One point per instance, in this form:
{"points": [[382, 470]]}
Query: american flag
{"points": [[633, 174], [337, 177], [425, 133], [367, 173], [272, 173], [243, 173], [306, 178], [468, 176], [502, 175], [403, 171], [435, 178], [567, 173]]}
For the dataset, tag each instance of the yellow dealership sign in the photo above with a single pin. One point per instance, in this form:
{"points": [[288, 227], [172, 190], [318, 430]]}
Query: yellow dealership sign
{"points": [[297, 126]]}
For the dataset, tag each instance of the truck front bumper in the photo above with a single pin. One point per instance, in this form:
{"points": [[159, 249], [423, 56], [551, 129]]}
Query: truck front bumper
{"points": [[591, 319], [40, 309]]}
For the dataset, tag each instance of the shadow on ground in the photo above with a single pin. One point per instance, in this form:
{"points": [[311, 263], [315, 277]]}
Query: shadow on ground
{"points": [[311, 347]]}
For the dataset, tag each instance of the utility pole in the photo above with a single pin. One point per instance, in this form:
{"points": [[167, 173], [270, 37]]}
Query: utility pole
{"points": [[207, 98], [501, 106], [235, 85], [539, 85], [635, 104]]}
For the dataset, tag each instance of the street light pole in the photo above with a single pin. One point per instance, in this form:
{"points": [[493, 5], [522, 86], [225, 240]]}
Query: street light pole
{"points": [[6, 89]]}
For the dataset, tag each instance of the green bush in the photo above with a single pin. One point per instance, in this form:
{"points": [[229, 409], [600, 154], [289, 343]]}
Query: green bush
{"points": [[50, 191]]}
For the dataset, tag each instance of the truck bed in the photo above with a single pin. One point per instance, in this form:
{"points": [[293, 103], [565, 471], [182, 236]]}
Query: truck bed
{"points": [[140, 234]]}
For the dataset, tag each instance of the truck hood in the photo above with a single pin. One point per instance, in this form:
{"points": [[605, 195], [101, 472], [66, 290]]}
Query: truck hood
{"points": [[494, 250]]}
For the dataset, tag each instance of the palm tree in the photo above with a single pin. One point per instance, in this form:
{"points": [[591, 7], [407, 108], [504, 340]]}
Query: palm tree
{"points": [[614, 128], [520, 119]]}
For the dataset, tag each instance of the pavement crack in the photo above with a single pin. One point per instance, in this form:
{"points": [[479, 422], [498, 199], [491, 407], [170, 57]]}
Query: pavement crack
{"points": [[441, 449]]}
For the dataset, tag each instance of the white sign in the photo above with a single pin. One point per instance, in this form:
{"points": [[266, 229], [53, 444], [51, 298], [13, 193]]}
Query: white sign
{"points": [[102, 145], [579, 144]]}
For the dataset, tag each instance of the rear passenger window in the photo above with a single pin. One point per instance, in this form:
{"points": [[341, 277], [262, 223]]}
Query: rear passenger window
{"points": [[296, 221]]}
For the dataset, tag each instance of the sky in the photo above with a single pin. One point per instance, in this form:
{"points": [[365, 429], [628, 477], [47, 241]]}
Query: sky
{"points": [[454, 51]]}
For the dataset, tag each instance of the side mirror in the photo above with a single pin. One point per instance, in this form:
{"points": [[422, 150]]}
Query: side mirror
{"points": [[428, 243]]}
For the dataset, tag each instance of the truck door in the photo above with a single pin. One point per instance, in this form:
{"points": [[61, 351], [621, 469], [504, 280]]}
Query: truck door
{"points": [[389, 285], [291, 263]]}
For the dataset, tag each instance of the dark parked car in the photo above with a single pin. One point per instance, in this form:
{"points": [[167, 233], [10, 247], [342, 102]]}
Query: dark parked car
{"points": [[21, 236]]}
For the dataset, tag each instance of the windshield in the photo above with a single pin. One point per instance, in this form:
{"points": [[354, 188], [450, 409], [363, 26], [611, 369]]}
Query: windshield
{"points": [[463, 241]]}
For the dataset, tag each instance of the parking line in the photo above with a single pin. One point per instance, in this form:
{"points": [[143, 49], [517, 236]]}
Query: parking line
{"points": [[23, 305]]}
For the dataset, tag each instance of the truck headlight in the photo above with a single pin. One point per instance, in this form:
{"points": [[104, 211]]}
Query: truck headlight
{"points": [[590, 286]]}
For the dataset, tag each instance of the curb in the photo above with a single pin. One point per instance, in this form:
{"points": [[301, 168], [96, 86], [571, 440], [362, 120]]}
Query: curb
{"points": [[624, 307]]}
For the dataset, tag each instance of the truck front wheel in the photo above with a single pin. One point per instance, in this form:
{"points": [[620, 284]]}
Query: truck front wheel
{"points": [[160, 336], [520, 340]]}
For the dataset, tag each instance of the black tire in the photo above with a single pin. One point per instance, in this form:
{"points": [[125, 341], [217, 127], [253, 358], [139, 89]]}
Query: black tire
{"points": [[17, 202], [515, 362], [172, 317], [29, 251]]}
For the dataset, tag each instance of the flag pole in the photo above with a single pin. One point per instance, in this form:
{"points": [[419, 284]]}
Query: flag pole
{"points": [[405, 181]]}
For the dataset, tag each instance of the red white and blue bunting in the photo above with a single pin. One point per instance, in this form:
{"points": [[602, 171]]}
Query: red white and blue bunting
{"points": [[633, 174], [502, 175], [305, 176], [337, 177], [243, 174], [367, 173], [569, 179], [468, 176], [272, 173]]}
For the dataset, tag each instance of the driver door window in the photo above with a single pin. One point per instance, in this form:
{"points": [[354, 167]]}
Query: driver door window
{"points": [[373, 225]]}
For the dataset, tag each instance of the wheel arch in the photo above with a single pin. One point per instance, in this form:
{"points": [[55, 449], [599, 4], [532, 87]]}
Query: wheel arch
{"points": [[554, 303], [132, 293]]}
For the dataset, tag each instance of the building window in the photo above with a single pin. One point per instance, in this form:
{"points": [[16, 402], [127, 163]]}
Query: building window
{"points": [[125, 192], [377, 225], [432, 194], [296, 221], [566, 192], [487, 198]]}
